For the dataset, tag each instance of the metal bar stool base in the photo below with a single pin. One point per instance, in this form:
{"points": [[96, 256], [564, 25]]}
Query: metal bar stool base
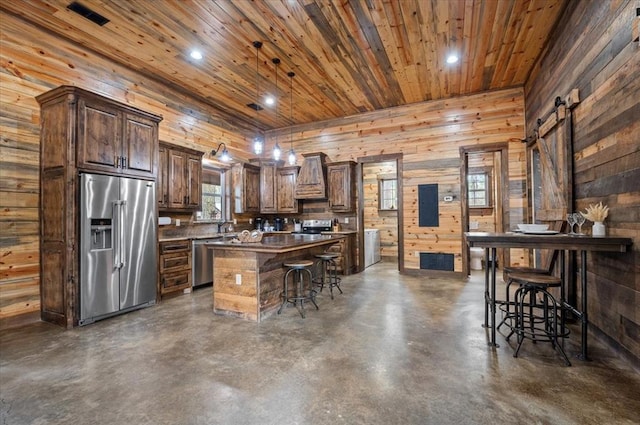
{"points": [[328, 273], [303, 294]]}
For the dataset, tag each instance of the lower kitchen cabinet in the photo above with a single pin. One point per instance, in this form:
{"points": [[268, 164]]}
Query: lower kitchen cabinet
{"points": [[175, 266], [346, 249]]}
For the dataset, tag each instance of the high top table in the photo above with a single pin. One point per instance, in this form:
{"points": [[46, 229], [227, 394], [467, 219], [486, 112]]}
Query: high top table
{"points": [[560, 241]]}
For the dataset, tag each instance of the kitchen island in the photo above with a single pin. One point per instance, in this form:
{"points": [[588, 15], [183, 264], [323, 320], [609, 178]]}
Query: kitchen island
{"points": [[247, 277]]}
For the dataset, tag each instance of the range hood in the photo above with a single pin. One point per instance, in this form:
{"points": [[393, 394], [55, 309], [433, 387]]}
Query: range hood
{"points": [[312, 177]]}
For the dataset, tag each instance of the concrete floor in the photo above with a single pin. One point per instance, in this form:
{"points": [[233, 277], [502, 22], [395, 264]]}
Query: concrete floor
{"points": [[391, 350]]}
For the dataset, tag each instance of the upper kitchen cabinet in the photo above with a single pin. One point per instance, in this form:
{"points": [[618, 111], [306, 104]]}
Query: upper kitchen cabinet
{"points": [[311, 183], [114, 138], [286, 183], [341, 182], [180, 179], [246, 188], [268, 186]]}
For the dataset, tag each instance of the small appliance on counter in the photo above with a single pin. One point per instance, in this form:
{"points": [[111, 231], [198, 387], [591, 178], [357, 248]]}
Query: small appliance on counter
{"points": [[278, 224], [259, 224], [297, 226], [316, 226]]}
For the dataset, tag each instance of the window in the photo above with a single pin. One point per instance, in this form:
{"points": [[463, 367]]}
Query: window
{"points": [[213, 195], [479, 187], [387, 193]]}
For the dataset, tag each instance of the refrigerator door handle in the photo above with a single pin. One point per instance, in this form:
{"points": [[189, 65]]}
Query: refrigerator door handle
{"points": [[123, 219], [116, 230]]}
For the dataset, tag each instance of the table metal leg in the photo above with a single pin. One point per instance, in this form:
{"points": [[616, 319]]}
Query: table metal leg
{"points": [[585, 321], [493, 298], [486, 288]]}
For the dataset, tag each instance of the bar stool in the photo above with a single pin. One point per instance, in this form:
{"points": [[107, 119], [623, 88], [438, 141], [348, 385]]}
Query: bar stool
{"points": [[303, 293], [505, 306], [544, 325], [328, 272]]}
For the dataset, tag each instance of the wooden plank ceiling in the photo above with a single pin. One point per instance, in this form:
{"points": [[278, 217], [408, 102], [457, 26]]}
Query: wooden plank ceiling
{"points": [[349, 56]]}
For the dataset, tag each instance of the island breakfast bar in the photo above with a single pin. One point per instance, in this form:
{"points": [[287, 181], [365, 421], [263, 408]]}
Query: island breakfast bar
{"points": [[563, 242], [248, 276]]}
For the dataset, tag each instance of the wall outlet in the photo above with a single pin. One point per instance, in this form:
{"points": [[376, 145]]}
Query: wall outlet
{"points": [[238, 279], [448, 199], [286, 220], [250, 221], [177, 222], [235, 221], [346, 220]]}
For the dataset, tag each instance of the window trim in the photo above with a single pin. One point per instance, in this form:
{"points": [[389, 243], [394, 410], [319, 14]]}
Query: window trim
{"points": [[224, 195], [488, 207], [381, 179]]}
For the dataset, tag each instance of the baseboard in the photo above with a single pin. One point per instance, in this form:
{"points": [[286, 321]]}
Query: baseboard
{"points": [[433, 273], [19, 320]]}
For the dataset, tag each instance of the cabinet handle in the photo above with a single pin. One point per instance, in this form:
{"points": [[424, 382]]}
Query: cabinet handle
{"points": [[117, 162], [124, 162]]}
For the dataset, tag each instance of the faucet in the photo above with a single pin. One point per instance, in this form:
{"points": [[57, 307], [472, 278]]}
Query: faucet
{"points": [[221, 225]]}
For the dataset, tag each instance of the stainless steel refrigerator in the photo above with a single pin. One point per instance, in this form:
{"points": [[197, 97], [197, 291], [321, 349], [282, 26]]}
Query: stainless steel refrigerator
{"points": [[118, 258]]}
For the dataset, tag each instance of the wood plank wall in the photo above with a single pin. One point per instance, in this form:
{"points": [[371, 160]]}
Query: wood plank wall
{"points": [[592, 50], [429, 135], [385, 221], [34, 62]]}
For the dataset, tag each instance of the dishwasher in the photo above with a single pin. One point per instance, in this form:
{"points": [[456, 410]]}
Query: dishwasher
{"points": [[201, 262]]}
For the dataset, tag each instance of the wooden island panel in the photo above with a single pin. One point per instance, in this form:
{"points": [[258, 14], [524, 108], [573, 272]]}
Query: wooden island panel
{"points": [[260, 270]]}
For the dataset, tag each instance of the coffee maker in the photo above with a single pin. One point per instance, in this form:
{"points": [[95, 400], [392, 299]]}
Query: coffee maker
{"points": [[279, 224], [259, 224]]}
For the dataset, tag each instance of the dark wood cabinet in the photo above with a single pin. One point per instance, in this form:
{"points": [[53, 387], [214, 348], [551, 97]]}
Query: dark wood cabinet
{"points": [[175, 266], [341, 182], [81, 131], [181, 178], [162, 182], [246, 188], [113, 140], [311, 183], [285, 187], [345, 248], [268, 186]]}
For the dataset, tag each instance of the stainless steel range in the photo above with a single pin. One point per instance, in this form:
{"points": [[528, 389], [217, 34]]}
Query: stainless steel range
{"points": [[316, 226]]}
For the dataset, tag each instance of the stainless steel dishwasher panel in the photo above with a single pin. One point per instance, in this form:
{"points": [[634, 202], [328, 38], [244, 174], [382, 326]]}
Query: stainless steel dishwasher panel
{"points": [[202, 262]]}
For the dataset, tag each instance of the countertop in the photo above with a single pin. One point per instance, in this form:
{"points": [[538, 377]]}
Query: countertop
{"points": [[278, 243], [211, 236]]}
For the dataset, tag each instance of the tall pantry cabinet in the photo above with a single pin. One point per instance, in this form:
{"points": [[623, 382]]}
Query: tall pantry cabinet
{"points": [[81, 131]]}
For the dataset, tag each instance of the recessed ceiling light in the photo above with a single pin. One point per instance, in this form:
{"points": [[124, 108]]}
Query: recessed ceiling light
{"points": [[452, 58], [269, 100], [195, 54]]}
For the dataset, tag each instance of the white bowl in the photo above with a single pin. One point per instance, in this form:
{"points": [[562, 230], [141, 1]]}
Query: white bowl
{"points": [[533, 227]]}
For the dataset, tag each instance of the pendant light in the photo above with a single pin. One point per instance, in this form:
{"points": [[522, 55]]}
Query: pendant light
{"points": [[258, 142], [276, 148], [292, 153]]}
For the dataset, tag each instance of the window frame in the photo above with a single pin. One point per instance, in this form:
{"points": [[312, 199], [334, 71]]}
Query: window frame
{"points": [[382, 178], [224, 213], [488, 189]]}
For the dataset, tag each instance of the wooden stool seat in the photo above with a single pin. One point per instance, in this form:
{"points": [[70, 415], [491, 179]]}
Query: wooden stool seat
{"points": [[298, 264], [535, 279], [327, 256], [520, 269]]}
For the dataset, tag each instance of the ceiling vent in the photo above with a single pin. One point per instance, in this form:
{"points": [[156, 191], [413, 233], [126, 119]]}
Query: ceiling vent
{"points": [[254, 106], [94, 17]]}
